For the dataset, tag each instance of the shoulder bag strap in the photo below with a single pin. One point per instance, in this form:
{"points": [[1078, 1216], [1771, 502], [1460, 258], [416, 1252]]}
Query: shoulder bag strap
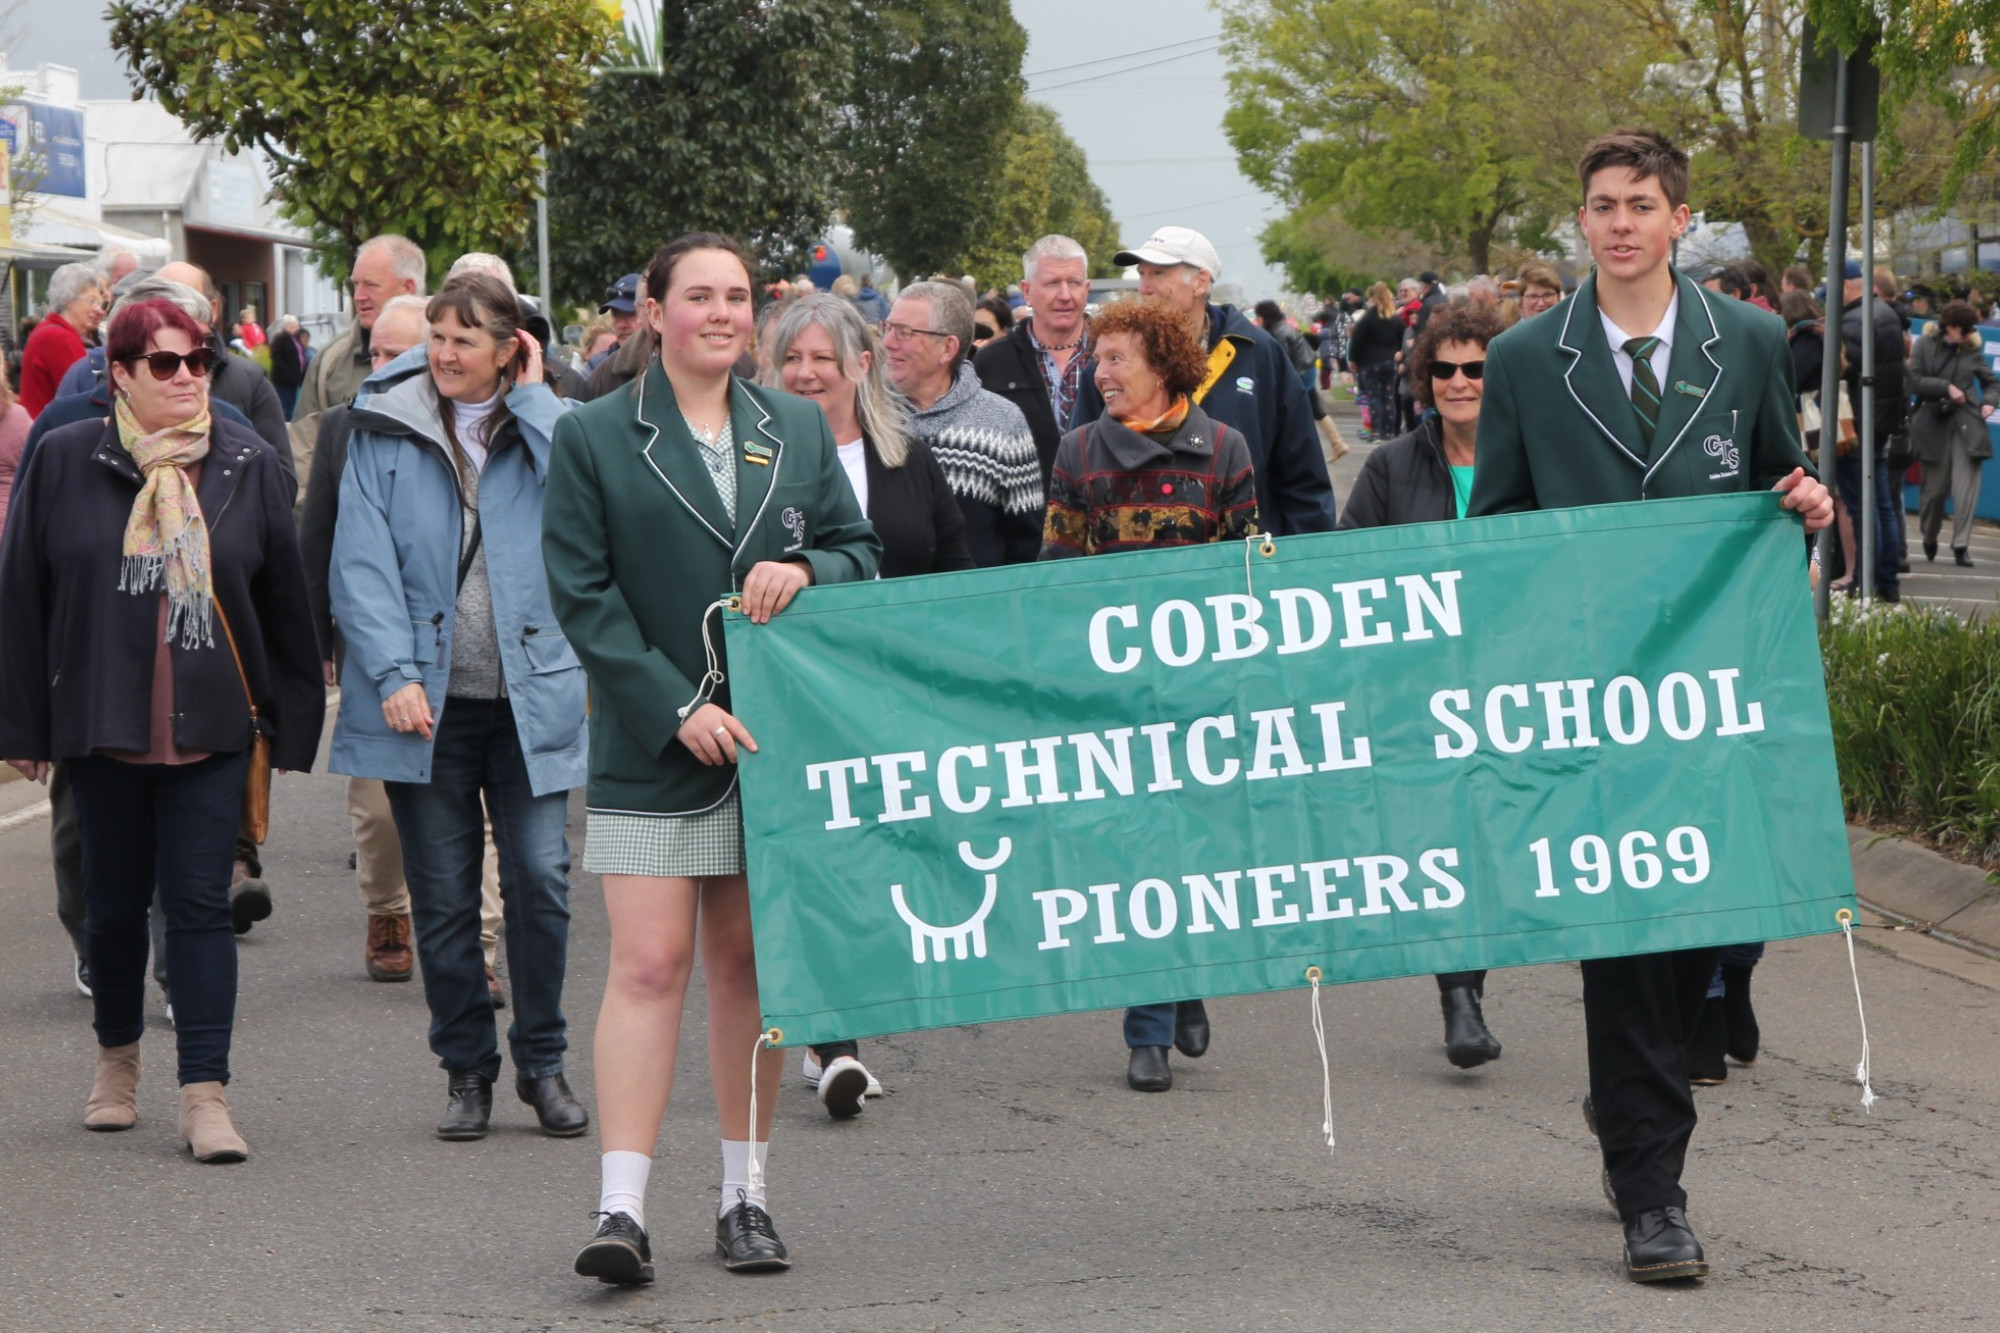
{"points": [[230, 637]]}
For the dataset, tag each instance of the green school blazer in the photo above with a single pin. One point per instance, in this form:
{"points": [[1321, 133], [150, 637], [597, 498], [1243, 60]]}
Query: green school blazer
{"points": [[1557, 428], [639, 546]]}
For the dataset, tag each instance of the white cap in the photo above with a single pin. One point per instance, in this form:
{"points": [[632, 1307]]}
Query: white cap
{"points": [[1174, 245]]}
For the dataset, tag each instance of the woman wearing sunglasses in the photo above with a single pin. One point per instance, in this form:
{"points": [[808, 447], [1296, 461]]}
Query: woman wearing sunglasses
{"points": [[153, 618], [1426, 477]]}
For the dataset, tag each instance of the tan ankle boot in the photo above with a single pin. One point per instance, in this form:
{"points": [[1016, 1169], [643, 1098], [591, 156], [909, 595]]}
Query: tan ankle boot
{"points": [[206, 1127], [114, 1093]]}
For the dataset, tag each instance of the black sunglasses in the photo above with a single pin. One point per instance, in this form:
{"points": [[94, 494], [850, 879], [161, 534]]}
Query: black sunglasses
{"points": [[985, 331], [166, 365], [1444, 370]]}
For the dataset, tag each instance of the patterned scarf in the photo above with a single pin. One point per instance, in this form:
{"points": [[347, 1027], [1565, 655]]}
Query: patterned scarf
{"points": [[1170, 419], [166, 538]]}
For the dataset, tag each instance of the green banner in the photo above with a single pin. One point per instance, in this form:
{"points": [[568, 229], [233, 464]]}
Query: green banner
{"points": [[1199, 772]]}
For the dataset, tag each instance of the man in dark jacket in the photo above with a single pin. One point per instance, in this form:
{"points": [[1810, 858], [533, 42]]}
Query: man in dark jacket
{"points": [[1889, 401], [1251, 385], [1038, 366], [1641, 386]]}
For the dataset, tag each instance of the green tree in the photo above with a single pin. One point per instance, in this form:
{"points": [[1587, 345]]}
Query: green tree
{"points": [[1436, 119], [418, 116], [726, 124], [1939, 52], [926, 127], [1044, 186]]}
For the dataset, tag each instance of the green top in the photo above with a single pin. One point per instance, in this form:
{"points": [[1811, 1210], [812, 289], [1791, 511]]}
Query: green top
{"points": [[1556, 425], [639, 541], [1461, 486]]}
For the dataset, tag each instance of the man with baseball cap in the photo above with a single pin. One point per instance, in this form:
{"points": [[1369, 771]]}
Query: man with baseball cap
{"points": [[1252, 388], [621, 302]]}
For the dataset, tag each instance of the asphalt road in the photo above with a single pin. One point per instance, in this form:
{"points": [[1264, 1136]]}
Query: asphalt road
{"points": [[1009, 1180]]}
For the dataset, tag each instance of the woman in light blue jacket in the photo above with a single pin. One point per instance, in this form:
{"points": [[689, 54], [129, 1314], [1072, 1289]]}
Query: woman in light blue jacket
{"points": [[458, 683]]}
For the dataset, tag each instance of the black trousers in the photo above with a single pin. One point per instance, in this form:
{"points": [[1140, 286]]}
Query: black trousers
{"points": [[1455, 980], [1638, 1013]]}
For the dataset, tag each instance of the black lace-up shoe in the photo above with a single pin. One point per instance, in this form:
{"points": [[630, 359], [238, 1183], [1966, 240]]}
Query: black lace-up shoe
{"points": [[1660, 1246], [561, 1114], [747, 1241], [468, 1107], [619, 1253]]}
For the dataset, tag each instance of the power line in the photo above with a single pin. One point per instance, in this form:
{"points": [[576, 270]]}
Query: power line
{"points": [[1133, 69], [1106, 60], [1204, 203]]}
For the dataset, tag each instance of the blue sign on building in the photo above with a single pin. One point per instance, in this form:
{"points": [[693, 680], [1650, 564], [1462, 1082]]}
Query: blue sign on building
{"points": [[54, 136]]}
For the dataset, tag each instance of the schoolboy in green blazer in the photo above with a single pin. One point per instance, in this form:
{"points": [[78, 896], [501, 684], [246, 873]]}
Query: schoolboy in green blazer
{"points": [[1642, 385]]}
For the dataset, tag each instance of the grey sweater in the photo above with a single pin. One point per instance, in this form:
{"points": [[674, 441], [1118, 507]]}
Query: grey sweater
{"points": [[983, 445]]}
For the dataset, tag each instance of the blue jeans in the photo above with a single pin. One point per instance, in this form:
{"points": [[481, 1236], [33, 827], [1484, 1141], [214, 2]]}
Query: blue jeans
{"points": [[1888, 516], [442, 826], [169, 829]]}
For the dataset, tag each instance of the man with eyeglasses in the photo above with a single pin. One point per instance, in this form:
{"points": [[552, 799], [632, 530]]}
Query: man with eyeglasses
{"points": [[981, 440]]}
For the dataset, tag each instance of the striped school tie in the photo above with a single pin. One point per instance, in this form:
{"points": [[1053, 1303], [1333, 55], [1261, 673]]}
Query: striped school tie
{"points": [[1645, 386]]}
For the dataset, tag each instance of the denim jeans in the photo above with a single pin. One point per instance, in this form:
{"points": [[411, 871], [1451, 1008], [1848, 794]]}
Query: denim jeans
{"points": [[169, 829], [476, 751], [1888, 510]]}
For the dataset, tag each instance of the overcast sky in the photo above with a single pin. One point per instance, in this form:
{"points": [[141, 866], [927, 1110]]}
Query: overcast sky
{"points": [[1151, 123]]}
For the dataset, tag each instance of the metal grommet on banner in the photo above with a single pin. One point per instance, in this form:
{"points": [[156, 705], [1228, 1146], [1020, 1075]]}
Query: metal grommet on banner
{"points": [[775, 1037], [1269, 548], [734, 603], [1315, 976], [1844, 917]]}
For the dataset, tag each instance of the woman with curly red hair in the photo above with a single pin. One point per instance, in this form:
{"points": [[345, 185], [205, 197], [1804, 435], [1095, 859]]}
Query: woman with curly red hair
{"points": [[1153, 471]]}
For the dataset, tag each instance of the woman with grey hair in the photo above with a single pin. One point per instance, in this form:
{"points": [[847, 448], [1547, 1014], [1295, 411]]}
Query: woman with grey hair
{"points": [[76, 299], [822, 349]]}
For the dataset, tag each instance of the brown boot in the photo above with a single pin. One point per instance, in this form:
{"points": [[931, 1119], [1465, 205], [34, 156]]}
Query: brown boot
{"points": [[206, 1127], [389, 956], [114, 1093]]}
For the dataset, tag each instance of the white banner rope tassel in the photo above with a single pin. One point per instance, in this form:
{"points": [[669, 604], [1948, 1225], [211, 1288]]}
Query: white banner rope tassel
{"points": [[756, 1168], [1266, 547], [1325, 1068], [1846, 919]]}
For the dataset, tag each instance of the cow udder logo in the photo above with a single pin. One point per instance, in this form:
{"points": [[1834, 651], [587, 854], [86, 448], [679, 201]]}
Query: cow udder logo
{"points": [[968, 934]]}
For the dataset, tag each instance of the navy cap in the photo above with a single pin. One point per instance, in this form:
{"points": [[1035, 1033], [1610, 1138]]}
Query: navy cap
{"points": [[622, 295], [1852, 271]]}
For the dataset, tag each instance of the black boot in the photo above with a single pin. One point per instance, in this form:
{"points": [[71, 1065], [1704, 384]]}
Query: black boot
{"points": [[1962, 557], [1705, 1066], [1930, 548], [1738, 1015], [1467, 1042]]}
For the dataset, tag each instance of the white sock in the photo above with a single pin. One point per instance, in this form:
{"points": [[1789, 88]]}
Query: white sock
{"points": [[736, 1174], [624, 1190]]}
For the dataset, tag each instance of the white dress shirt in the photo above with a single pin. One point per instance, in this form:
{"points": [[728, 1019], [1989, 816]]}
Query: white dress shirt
{"points": [[1663, 353]]}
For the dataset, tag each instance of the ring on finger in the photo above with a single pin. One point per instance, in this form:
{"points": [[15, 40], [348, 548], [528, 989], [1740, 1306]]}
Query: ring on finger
{"points": [[722, 731]]}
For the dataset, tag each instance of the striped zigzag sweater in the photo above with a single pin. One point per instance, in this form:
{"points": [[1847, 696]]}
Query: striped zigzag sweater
{"points": [[988, 457]]}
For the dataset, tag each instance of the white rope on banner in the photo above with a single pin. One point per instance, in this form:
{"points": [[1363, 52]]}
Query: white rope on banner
{"points": [[1266, 546], [713, 676], [1325, 1067], [756, 1170], [1861, 1071]]}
